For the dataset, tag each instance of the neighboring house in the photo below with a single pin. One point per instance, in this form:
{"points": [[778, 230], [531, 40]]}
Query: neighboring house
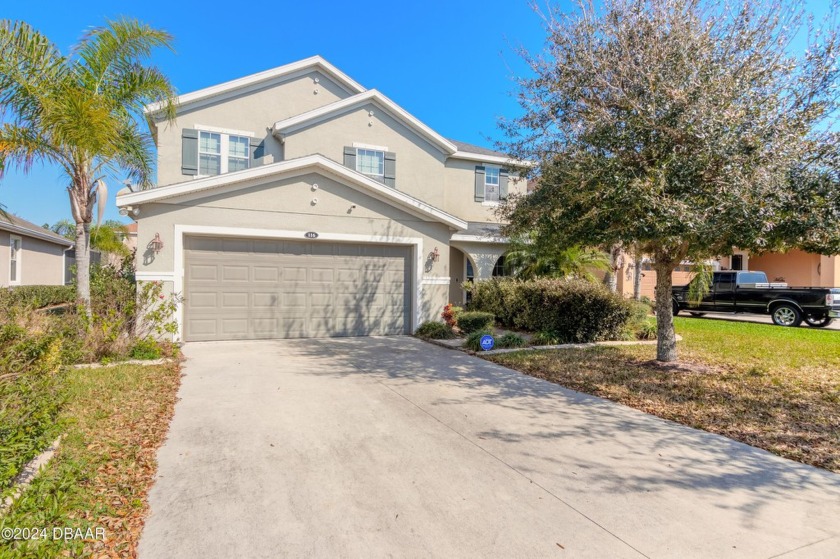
{"points": [[296, 203], [29, 254], [795, 267]]}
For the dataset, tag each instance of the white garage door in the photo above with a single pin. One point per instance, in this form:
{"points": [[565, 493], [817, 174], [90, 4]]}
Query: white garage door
{"points": [[239, 289]]}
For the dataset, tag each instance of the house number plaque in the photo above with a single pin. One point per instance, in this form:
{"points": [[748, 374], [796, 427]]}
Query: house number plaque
{"points": [[311, 235]]}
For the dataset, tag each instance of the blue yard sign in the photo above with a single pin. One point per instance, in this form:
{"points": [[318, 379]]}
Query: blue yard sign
{"points": [[487, 342]]}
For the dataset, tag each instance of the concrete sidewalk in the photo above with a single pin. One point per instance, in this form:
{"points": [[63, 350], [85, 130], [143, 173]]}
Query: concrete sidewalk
{"points": [[756, 318], [372, 447]]}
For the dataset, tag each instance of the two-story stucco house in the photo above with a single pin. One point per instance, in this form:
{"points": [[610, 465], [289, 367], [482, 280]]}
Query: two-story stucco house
{"points": [[296, 203]]}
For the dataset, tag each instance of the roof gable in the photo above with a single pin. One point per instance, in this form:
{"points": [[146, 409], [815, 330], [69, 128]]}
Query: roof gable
{"points": [[260, 79], [290, 125], [294, 167]]}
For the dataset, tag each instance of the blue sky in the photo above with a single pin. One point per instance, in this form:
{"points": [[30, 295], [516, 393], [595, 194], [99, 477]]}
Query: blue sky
{"points": [[451, 63]]}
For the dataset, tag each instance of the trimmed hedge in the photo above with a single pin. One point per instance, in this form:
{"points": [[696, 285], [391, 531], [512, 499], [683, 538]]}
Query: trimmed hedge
{"points": [[36, 296], [573, 310], [473, 321]]}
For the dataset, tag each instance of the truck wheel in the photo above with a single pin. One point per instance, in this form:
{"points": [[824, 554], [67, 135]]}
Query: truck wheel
{"points": [[818, 322], [786, 315], [675, 308]]}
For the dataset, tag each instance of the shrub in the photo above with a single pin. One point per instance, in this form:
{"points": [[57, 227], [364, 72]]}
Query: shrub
{"points": [[510, 340], [474, 321], [450, 314], [146, 348], [498, 296], [36, 296], [639, 320], [647, 330], [435, 331], [474, 339], [545, 338], [31, 393], [576, 310]]}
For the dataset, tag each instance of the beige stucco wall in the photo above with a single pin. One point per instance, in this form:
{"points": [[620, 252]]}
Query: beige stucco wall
{"points": [[798, 268], [255, 111], [287, 204], [41, 262], [459, 191], [419, 165]]}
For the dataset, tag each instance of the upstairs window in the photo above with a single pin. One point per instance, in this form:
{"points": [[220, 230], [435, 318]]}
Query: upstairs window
{"points": [[14, 260], [208, 153], [491, 184], [370, 162]]}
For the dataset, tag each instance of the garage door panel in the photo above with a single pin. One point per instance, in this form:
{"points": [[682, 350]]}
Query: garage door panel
{"points": [[268, 274], [263, 288], [232, 301]]}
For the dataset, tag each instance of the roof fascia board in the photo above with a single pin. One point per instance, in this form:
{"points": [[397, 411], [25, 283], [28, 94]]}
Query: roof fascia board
{"points": [[491, 159], [19, 230]]}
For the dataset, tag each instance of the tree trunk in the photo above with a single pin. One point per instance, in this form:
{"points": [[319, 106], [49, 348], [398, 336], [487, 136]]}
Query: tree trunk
{"points": [[637, 278], [666, 340], [616, 263], [83, 264]]}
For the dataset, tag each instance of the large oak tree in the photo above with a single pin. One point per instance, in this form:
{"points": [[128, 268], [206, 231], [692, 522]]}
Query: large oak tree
{"points": [[684, 128]]}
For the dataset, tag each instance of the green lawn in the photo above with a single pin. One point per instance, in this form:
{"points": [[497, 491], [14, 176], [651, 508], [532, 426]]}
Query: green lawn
{"points": [[115, 419], [771, 387]]}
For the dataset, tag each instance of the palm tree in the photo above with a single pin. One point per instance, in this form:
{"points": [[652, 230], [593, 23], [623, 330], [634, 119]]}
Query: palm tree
{"points": [[105, 237], [528, 258], [80, 112]]}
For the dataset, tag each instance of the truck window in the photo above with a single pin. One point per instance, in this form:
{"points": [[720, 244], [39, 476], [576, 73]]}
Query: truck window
{"points": [[724, 282], [751, 277]]}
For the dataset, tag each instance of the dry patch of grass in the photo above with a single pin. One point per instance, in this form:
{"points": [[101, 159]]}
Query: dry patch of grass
{"points": [[116, 419], [770, 387]]}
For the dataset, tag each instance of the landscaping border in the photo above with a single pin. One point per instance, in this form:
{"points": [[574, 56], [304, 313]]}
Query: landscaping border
{"points": [[458, 344], [27, 474]]}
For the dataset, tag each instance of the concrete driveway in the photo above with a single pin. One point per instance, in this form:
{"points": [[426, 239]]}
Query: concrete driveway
{"points": [[381, 447]]}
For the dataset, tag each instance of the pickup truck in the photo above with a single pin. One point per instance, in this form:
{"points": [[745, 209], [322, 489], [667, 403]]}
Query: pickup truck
{"points": [[750, 292]]}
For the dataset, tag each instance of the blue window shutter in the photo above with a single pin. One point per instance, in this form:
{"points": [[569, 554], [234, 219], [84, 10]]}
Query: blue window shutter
{"points": [[503, 184], [257, 151], [479, 184], [350, 157], [390, 169], [189, 151]]}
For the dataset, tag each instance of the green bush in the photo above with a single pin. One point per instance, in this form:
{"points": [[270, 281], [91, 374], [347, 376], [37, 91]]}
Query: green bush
{"points": [[510, 340], [435, 331], [146, 348], [36, 296], [474, 321], [474, 339], [545, 338], [638, 326], [646, 330], [497, 296], [31, 395], [576, 310]]}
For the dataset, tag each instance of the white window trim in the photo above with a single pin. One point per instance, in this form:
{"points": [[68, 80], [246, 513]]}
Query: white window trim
{"points": [[382, 151], [18, 259], [224, 151], [369, 146], [498, 186], [219, 130]]}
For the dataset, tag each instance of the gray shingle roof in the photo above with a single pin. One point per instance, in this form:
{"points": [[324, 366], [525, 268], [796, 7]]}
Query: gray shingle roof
{"points": [[483, 229], [16, 224], [472, 148]]}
